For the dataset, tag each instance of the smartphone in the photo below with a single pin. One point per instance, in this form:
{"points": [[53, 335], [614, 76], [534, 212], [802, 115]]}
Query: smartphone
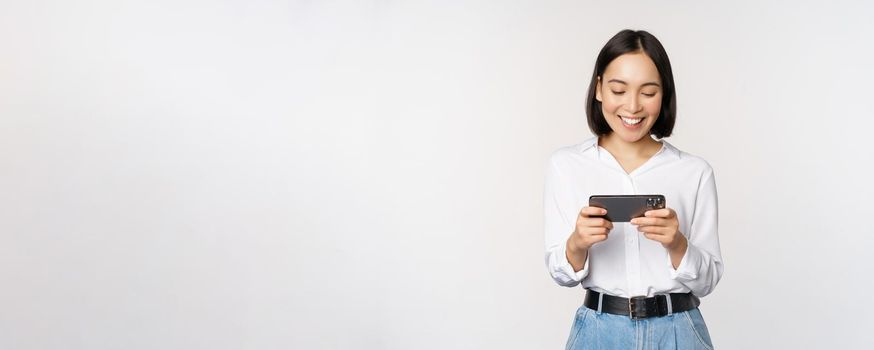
{"points": [[623, 208]]}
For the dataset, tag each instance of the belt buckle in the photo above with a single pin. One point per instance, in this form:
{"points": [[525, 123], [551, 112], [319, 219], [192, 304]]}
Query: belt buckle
{"points": [[632, 306]]}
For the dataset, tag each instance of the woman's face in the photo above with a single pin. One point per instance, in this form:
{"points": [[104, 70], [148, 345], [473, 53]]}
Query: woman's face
{"points": [[630, 92]]}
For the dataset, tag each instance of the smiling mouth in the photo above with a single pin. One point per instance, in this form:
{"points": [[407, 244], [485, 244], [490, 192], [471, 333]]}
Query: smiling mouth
{"points": [[630, 120]]}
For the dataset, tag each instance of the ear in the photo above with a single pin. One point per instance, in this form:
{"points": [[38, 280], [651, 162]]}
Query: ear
{"points": [[598, 90]]}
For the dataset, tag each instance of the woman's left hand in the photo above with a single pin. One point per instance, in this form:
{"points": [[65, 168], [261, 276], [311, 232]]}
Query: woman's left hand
{"points": [[661, 225]]}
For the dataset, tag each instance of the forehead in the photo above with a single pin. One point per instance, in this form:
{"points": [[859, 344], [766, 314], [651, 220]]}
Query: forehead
{"points": [[633, 68]]}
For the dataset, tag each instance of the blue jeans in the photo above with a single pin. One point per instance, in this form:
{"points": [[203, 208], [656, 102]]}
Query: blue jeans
{"points": [[682, 330]]}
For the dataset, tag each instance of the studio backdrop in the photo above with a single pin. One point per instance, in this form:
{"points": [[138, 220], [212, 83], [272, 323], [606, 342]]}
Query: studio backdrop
{"points": [[369, 174]]}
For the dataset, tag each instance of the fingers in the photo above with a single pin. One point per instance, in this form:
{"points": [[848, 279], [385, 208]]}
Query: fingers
{"points": [[592, 211], [592, 217], [659, 225], [668, 240], [658, 217], [650, 221], [591, 227], [656, 230], [585, 237], [597, 238], [594, 228], [598, 222], [594, 231], [660, 213]]}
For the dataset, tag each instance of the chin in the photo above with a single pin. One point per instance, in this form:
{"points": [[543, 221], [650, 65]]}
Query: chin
{"points": [[631, 137]]}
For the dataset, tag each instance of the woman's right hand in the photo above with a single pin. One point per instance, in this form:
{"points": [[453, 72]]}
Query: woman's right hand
{"points": [[591, 228]]}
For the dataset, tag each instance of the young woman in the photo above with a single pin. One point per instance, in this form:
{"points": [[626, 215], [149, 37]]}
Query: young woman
{"points": [[643, 278]]}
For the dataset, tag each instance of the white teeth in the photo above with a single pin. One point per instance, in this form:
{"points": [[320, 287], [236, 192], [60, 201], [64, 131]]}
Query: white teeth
{"points": [[631, 121]]}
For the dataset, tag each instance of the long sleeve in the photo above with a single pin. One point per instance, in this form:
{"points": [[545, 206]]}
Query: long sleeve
{"points": [[557, 211], [702, 267]]}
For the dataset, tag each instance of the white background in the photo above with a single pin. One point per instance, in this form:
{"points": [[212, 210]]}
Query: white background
{"points": [[368, 174]]}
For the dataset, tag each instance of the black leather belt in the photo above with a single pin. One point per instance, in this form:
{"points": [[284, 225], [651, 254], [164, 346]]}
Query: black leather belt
{"points": [[642, 307]]}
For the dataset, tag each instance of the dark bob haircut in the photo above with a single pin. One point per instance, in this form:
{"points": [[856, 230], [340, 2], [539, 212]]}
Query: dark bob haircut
{"points": [[629, 41]]}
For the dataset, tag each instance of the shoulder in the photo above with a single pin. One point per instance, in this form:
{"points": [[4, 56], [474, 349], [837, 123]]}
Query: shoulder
{"points": [[571, 153], [691, 161]]}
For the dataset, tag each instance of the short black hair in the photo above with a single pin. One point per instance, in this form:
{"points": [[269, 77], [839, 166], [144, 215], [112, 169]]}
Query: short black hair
{"points": [[629, 41]]}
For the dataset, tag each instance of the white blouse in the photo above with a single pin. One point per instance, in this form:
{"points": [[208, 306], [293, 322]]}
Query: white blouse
{"points": [[627, 263]]}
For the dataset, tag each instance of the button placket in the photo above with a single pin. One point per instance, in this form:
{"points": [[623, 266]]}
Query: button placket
{"points": [[632, 248]]}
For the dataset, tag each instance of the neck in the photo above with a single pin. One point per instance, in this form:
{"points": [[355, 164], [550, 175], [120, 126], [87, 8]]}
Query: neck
{"points": [[617, 146]]}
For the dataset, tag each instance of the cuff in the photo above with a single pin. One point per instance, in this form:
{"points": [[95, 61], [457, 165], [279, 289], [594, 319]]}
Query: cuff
{"points": [[565, 266], [688, 269]]}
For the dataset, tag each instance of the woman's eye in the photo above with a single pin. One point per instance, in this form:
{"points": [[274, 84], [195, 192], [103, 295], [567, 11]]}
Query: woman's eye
{"points": [[618, 92], [649, 95]]}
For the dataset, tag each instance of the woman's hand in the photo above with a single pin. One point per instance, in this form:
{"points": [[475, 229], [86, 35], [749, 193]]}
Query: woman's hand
{"points": [[590, 229], [661, 225]]}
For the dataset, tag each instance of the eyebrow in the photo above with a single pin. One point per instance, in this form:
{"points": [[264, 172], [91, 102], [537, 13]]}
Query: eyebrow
{"points": [[622, 82]]}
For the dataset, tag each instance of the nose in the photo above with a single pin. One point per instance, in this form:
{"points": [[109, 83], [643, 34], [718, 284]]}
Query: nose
{"points": [[634, 103]]}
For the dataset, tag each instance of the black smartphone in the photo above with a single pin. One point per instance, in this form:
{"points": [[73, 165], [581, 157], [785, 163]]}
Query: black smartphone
{"points": [[623, 208]]}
